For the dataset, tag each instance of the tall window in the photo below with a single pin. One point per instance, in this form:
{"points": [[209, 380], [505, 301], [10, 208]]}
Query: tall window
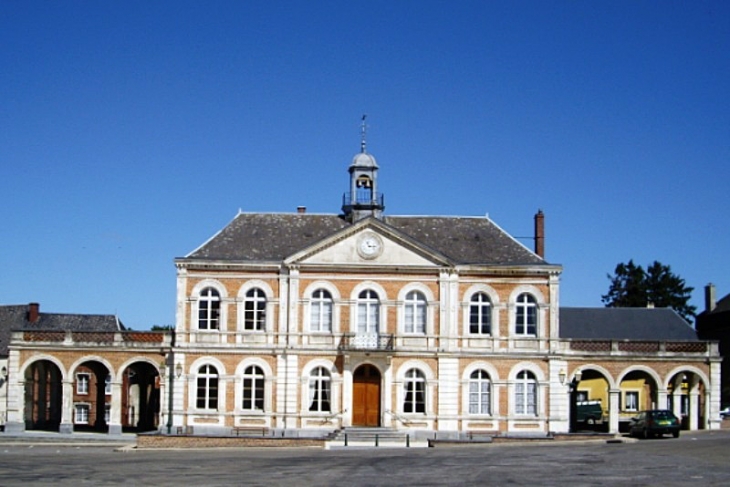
{"points": [[207, 393], [368, 312], [108, 385], [415, 313], [253, 389], [81, 413], [526, 394], [526, 315], [480, 315], [415, 392], [479, 393], [209, 307], [82, 383], [254, 310], [320, 317], [319, 390]]}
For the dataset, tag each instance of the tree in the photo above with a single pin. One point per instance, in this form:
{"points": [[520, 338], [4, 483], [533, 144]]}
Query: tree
{"points": [[161, 327], [634, 287]]}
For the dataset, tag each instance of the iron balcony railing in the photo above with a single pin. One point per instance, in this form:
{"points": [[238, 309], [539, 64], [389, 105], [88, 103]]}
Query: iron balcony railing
{"points": [[366, 341], [363, 198]]}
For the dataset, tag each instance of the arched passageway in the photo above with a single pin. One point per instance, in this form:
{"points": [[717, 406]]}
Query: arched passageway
{"points": [[92, 390], [43, 396], [140, 397]]}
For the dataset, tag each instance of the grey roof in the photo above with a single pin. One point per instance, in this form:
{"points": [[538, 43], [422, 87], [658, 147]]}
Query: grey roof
{"points": [[624, 324], [272, 237], [15, 318], [465, 240]]}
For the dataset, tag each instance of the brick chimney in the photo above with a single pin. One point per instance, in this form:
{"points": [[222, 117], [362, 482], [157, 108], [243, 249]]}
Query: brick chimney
{"points": [[33, 312], [301, 209], [710, 300], [540, 234]]}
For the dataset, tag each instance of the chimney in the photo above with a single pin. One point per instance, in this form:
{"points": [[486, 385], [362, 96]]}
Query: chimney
{"points": [[33, 312], [710, 301], [301, 209], [540, 234]]}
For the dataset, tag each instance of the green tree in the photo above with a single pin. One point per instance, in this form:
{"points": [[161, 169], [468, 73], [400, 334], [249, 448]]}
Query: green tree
{"points": [[161, 327], [634, 287]]}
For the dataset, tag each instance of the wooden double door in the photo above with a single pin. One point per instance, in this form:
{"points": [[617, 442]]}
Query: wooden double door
{"points": [[366, 396]]}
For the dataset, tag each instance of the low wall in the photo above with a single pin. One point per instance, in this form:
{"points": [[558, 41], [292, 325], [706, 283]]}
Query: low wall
{"points": [[192, 441]]}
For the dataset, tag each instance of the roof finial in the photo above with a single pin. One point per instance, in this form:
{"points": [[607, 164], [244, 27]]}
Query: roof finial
{"points": [[363, 134]]}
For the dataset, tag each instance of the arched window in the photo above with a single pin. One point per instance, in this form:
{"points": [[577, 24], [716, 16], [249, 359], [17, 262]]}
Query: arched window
{"points": [[415, 392], [526, 393], [526, 315], [480, 389], [480, 314], [254, 310], [209, 307], [253, 389], [319, 390], [207, 393], [415, 313], [320, 316], [368, 312]]}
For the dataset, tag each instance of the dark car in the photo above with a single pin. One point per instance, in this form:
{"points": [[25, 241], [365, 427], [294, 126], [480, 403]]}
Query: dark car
{"points": [[655, 422]]}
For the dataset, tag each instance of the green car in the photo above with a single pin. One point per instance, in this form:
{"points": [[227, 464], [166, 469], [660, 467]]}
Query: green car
{"points": [[655, 422]]}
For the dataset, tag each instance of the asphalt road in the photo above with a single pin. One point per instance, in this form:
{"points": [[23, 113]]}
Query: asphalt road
{"points": [[693, 459]]}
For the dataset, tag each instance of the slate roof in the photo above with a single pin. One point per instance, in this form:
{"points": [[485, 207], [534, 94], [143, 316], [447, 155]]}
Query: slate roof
{"points": [[624, 324], [272, 237], [15, 318]]}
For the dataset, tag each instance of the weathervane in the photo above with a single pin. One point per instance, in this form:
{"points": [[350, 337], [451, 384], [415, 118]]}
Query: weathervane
{"points": [[363, 134]]}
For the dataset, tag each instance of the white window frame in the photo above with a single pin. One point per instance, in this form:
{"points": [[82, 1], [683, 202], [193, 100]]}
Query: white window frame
{"points": [[319, 383], [415, 384], [415, 313], [636, 394], [257, 298], [82, 418], [525, 303], [367, 306], [210, 304], [321, 311], [482, 315], [108, 385], [82, 385], [256, 375], [478, 404], [209, 397], [526, 393]]}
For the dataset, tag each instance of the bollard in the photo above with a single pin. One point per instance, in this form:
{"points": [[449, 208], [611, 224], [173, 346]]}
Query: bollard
{"points": [[345, 439], [408, 441], [376, 439]]}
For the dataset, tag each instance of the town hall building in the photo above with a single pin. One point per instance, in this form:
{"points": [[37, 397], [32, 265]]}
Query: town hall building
{"points": [[299, 324]]}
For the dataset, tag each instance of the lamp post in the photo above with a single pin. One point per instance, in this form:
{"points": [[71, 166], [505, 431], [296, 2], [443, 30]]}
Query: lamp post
{"points": [[171, 370], [572, 395]]}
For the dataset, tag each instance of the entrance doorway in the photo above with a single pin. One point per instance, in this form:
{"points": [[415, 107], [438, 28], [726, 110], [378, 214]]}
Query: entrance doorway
{"points": [[366, 396]]}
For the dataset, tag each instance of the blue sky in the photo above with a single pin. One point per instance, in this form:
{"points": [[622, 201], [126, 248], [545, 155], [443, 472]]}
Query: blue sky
{"points": [[130, 132]]}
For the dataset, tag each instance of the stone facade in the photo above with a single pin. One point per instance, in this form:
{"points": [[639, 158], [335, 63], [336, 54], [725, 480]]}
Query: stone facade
{"points": [[301, 324]]}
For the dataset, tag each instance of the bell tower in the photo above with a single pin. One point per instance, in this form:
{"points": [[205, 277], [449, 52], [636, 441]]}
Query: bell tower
{"points": [[363, 199]]}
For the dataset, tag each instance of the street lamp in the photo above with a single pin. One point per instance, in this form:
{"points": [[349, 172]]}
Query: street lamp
{"points": [[572, 394]]}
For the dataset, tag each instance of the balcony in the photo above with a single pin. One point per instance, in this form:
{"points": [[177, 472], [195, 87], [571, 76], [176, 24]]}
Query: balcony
{"points": [[366, 341], [362, 199]]}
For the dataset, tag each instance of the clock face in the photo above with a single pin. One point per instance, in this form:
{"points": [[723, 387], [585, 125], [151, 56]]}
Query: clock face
{"points": [[369, 246]]}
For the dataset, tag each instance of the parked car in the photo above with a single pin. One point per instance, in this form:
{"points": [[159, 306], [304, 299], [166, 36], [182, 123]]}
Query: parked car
{"points": [[655, 422], [589, 412]]}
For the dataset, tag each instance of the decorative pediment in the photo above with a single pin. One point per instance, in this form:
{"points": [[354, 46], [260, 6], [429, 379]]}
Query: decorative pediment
{"points": [[368, 244]]}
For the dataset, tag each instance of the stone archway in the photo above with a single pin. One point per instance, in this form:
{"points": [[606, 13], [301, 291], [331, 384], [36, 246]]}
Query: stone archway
{"points": [[366, 384], [140, 397], [686, 399], [91, 394], [43, 396]]}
